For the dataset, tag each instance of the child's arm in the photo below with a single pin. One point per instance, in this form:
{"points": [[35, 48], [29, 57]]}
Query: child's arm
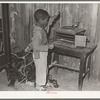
{"points": [[52, 20], [37, 46], [29, 47]]}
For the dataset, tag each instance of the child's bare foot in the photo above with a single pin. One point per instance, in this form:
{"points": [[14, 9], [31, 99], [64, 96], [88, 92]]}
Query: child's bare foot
{"points": [[49, 85], [40, 88]]}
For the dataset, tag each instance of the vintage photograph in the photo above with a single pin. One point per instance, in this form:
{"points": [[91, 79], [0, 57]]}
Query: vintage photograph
{"points": [[50, 47]]}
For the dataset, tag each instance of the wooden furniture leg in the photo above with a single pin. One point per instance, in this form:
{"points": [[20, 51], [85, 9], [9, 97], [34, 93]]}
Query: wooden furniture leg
{"points": [[49, 57], [56, 58], [88, 66], [81, 72]]}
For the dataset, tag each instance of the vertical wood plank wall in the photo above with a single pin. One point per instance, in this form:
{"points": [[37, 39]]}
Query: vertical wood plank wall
{"points": [[87, 14], [96, 56]]}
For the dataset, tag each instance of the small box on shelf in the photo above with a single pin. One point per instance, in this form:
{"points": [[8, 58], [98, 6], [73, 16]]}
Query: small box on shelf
{"points": [[80, 41]]}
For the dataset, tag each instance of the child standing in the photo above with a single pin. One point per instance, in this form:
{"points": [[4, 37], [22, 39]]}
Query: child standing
{"points": [[40, 47]]}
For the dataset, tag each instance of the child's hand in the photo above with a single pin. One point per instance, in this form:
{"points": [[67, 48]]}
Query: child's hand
{"points": [[51, 46], [27, 49], [54, 18]]}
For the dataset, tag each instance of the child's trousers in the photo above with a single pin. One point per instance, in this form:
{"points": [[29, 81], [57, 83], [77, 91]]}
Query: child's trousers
{"points": [[41, 68]]}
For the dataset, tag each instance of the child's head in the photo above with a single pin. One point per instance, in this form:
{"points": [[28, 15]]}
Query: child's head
{"points": [[42, 17]]}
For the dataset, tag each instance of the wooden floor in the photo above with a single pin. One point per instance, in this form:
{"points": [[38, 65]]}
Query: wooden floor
{"points": [[67, 80]]}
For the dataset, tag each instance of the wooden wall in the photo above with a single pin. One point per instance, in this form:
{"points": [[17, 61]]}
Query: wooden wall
{"points": [[96, 56], [23, 21], [87, 14]]}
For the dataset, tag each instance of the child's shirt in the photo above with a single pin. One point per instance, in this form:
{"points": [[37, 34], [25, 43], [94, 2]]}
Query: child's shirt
{"points": [[39, 39]]}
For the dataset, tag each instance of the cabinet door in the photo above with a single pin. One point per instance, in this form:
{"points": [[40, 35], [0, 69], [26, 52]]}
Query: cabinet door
{"points": [[4, 35]]}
